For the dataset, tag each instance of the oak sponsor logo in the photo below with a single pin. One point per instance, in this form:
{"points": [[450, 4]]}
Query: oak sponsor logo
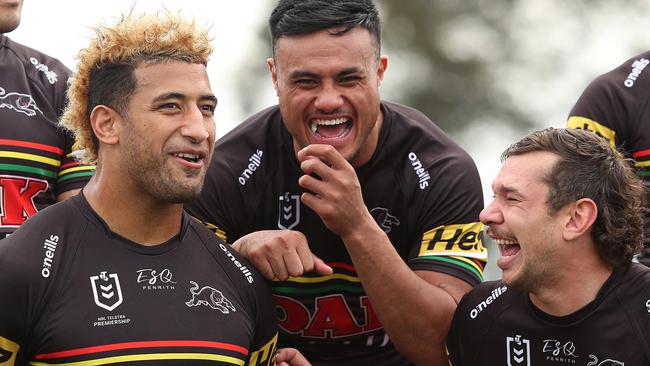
{"points": [[8, 351], [583, 123], [423, 174], [637, 68], [106, 290], [484, 304], [210, 297], [518, 351], [152, 279], [288, 211], [455, 240], [559, 351], [254, 162], [50, 249]]}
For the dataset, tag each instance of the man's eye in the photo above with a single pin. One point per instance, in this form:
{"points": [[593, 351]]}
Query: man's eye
{"points": [[350, 79], [305, 82], [169, 106], [208, 108]]}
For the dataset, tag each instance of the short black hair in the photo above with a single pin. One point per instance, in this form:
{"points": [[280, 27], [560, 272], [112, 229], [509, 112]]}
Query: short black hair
{"points": [[298, 17]]}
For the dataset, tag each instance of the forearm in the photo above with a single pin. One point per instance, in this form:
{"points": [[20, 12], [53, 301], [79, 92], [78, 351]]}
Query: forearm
{"points": [[415, 313]]}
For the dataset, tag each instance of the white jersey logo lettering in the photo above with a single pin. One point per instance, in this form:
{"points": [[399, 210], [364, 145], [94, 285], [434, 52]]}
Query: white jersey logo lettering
{"points": [[254, 162], [637, 69], [106, 290], [423, 174], [51, 76]]}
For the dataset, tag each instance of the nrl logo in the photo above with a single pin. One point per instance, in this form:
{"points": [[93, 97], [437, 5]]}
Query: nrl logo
{"points": [[106, 290], [289, 211], [518, 351]]}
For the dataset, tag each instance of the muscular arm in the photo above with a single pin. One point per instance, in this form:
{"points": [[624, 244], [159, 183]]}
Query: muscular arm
{"points": [[416, 308]]}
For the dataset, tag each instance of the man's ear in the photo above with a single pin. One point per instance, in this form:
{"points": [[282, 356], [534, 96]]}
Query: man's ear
{"points": [[274, 73], [581, 217], [106, 123], [381, 68]]}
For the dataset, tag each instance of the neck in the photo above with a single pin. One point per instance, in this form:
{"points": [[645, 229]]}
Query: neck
{"points": [[577, 284], [133, 215]]}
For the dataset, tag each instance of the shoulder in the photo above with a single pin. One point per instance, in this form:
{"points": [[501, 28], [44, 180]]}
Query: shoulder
{"points": [[238, 268], [39, 66], [483, 300], [35, 249]]}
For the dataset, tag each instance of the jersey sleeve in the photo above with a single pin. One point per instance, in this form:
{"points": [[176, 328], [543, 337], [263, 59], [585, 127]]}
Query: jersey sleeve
{"points": [[28, 262], [451, 238], [615, 106], [72, 173], [265, 340]]}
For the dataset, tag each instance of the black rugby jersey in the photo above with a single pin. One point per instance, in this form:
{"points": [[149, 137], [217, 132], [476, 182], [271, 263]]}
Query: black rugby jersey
{"points": [[615, 106], [421, 188], [36, 163], [74, 293], [496, 325]]}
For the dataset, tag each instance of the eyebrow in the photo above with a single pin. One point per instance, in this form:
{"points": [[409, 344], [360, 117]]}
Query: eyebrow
{"points": [[176, 95], [308, 74]]}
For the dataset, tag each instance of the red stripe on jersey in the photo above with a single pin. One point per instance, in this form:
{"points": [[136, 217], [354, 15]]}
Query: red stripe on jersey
{"points": [[145, 344], [642, 153], [342, 265], [31, 145], [72, 163]]}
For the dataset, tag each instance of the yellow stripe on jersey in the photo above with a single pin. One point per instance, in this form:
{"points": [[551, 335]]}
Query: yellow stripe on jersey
{"points": [[148, 357], [30, 157], [264, 355], [593, 126], [7, 348], [335, 276], [76, 169], [463, 240]]}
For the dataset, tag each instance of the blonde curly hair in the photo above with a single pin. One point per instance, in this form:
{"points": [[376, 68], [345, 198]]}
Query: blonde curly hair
{"points": [[104, 74]]}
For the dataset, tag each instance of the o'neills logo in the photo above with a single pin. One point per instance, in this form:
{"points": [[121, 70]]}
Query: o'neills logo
{"points": [[637, 69], [422, 173], [484, 304], [245, 271], [50, 248], [255, 162]]}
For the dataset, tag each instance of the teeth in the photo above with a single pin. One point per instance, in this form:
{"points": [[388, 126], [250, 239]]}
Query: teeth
{"points": [[187, 156], [505, 241], [329, 122]]}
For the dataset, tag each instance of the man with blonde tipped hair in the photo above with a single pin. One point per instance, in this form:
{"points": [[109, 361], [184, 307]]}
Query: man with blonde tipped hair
{"points": [[119, 273]]}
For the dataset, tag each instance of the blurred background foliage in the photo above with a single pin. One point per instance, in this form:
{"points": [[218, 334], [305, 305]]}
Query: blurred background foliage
{"points": [[518, 64]]}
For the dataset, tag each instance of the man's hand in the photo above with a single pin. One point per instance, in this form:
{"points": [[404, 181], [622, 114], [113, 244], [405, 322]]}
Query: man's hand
{"points": [[280, 254], [336, 197], [290, 357]]}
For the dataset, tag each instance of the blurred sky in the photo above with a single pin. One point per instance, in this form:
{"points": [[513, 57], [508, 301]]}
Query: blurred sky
{"points": [[61, 28]]}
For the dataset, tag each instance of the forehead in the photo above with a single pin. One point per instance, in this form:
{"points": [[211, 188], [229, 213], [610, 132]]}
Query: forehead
{"points": [[178, 76], [314, 49], [525, 173]]}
